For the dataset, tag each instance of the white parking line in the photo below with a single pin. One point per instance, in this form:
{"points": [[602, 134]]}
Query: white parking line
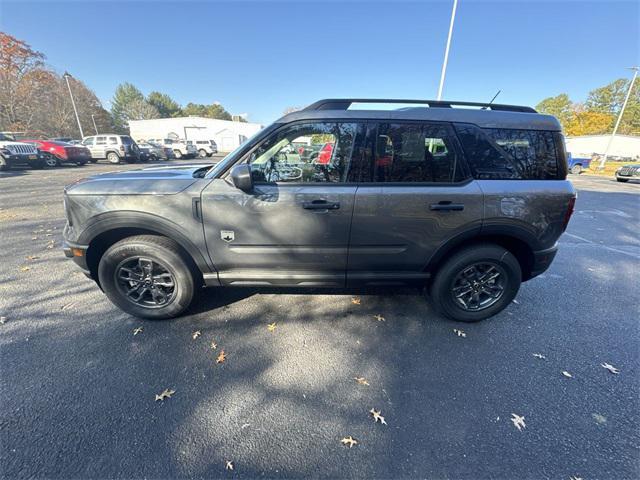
{"points": [[603, 246]]}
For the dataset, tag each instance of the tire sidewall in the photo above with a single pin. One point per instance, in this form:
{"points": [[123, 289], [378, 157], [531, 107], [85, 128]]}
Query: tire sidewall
{"points": [[185, 285], [111, 156], [441, 287]]}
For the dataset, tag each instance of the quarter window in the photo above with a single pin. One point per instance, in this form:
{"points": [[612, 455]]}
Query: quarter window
{"points": [[415, 153], [309, 152]]}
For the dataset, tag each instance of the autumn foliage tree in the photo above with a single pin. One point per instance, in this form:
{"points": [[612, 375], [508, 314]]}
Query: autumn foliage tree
{"points": [[34, 99]]}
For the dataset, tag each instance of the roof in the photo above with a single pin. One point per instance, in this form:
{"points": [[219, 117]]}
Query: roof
{"points": [[489, 116]]}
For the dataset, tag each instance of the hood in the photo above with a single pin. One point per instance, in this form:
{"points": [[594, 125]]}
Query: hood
{"points": [[147, 181]]}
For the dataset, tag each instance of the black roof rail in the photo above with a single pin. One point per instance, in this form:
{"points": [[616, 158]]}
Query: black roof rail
{"points": [[345, 103]]}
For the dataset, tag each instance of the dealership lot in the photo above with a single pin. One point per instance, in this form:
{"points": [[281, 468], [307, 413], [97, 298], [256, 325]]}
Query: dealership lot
{"points": [[78, 393]]}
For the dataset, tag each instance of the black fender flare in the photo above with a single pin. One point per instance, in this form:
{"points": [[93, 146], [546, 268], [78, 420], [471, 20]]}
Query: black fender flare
{"points": [[108, 221]]}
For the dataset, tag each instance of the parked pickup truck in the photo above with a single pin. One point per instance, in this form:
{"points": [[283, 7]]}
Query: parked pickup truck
{"points": [[577, 164]]}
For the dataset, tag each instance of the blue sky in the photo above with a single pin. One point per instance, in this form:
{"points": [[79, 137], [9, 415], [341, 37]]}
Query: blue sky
{"points": [[260, 57]]}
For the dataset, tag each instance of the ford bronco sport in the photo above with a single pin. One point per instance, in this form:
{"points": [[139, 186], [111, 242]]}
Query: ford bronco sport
{"points": [[468, 202]]}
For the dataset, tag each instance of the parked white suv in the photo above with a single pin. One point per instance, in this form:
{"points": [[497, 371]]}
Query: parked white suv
{"points": [[112, 147], [206, 148], [181, 148]]}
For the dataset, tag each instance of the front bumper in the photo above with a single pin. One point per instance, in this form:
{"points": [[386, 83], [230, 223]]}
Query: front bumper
{"points": [[23, 158], [542, 260], [78, 253]]}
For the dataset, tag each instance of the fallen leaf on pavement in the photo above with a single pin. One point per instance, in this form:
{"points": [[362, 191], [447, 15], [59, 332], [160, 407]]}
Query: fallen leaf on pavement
{"points": [[377, 417], [355, 300], [460, 333], [3, 320], [573, 477], [600, 419], [567, 374], [610, 367], [361, 380], [221, 357], [32, 257], [379, 317], [137, 331], [195, 334], [214, 345], [25, 269], [349, 441], [272, 327], [539, 355], [228, 465], [165, 394], [69, 306], [518, 421]]}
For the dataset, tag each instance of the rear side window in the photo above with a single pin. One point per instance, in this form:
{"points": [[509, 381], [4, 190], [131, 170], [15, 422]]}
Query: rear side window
{"points": [[101, 140], [416, 153], [500, 153]]}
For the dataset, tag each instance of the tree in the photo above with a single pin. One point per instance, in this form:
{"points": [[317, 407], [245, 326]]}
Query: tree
{"points": [[129, 104], [18, 84], [588, 122], [166, 106], [559, 106], [215, 110], [609, 99]]}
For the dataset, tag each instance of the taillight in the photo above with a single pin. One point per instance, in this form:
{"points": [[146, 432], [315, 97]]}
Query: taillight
{"points": [[570, 209], [122, 148]]}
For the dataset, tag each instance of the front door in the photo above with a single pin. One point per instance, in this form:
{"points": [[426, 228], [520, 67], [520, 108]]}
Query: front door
{"points": [[417, 197], [293, 228]]}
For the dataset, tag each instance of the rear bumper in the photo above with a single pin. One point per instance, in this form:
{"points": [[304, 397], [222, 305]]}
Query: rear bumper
{"points": [[542, 260]]}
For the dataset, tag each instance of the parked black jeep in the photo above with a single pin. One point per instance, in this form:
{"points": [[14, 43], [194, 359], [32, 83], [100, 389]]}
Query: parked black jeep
{"points": [[468, 202]]}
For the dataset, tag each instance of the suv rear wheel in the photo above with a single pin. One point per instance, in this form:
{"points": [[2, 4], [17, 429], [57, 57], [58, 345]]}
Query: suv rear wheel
{"points": [[147, 277], [177, 153], [476, 283], [202, 153], [113, 157]]}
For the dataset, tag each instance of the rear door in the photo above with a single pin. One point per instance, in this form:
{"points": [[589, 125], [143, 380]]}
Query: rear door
{"points": [[293, 228], [416, 195]]}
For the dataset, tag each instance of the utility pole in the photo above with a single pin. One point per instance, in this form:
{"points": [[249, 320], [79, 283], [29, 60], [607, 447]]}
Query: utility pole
{"points": [[94, 123], [615, 128], [67, 76], [446, 51]]}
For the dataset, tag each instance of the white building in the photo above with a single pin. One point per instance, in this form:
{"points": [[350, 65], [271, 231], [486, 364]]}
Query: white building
{"points": [[227, 135], [626, 146]]}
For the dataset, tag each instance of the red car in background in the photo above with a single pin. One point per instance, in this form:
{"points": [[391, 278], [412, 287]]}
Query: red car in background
{"points": [[58, 153]]}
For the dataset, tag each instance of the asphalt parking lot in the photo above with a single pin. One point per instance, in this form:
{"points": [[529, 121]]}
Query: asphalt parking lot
{"points": [[78, 388]]}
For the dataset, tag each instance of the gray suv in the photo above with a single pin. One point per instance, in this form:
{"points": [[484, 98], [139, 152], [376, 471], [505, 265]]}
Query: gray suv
{"points": [[467, 202]]}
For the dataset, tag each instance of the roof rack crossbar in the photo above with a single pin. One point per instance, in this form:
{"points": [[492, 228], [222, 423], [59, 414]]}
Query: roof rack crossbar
{"points": [[345, 103]]}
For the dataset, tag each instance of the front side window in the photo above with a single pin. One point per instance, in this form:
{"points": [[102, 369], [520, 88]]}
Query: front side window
{"points": [[88, 141], [308, 152], [415, 153]]}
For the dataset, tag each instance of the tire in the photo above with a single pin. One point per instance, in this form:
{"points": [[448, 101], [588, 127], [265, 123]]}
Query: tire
{"points": [[624, 180], [51, 161], [81, 163], [113, 157], [576, 169], [4, 165], [123, 259], [202, 153], [154, 157], [178, 154], [456, 271]]}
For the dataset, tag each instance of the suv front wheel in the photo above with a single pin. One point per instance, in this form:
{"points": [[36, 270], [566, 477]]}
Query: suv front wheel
{"points": [[476, 283], [147, 277]]}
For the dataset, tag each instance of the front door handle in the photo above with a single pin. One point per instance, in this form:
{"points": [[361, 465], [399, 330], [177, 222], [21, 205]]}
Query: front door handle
{"points": [[320, 205], [446, 205]]}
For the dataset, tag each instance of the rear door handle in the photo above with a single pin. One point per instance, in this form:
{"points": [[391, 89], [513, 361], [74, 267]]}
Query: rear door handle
{"points": [[321, 205], [446, 205]]}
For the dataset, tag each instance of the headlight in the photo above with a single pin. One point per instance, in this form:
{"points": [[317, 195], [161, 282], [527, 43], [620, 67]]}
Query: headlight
{"points": [[4, 151]]}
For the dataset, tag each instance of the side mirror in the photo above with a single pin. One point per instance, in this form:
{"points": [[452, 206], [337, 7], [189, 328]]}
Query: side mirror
{"points": [[241, 177]]}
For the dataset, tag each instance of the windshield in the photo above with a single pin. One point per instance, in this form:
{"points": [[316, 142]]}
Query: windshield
{"points": [[234, 156]]}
